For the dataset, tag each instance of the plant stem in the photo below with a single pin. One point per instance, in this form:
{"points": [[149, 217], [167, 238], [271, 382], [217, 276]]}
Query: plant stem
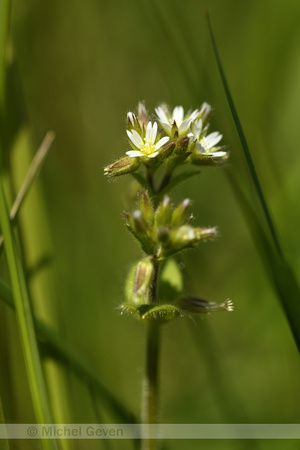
{"points": [[150, 386]]}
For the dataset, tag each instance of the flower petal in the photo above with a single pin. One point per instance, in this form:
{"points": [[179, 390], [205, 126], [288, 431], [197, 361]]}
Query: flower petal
{"points": [[153, 155], [212, 139], [161, 142], [161, 114], [178, 114], [135, 138], [197, 128], [130, 117], [151, 132], [134, 153], [205, 110], [216, 154]]}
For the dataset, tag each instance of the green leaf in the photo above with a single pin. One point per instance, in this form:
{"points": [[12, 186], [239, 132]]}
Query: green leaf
{"points": [[171, 281], [160, 313], [130, 310]]}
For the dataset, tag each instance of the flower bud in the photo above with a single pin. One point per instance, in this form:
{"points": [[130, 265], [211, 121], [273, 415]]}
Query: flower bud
{"points": [[205, 233], [143, 115], [138, 222], [163, 235], [163, 212], [166, 151], [179, 216], [197, 305], [133, 122], [183, 236], [142, 280], [180, 153], [146, 207], [209, 159], [122, 167]]}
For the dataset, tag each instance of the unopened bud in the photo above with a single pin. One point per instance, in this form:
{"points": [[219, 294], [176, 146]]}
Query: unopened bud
{"points": [[142, 280], [183, 236], [163, 235], [146, 207], [205, 233], [209, 159], [197, 305], [163, 212], [180, 153], [138, 222], [122, 167], [133, 123], [179, 216], [166, 151], [142, 113]]}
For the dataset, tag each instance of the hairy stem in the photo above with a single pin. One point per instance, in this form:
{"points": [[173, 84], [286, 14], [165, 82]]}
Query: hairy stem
{"points": [[150, 386]]}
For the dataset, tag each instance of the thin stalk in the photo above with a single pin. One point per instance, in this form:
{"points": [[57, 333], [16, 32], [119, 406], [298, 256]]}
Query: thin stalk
{"points": [[150, 386], [26, 326], [150, 397]]}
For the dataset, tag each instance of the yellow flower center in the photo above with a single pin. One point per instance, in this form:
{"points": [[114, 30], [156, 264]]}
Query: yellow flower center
{"points": [[148, 147]]}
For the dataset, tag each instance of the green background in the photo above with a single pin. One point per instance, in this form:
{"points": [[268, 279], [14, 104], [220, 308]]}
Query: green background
{"points": [[78, 68]]}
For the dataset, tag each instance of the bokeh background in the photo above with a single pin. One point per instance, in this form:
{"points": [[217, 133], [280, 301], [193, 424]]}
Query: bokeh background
{"points": [[78, 68]]}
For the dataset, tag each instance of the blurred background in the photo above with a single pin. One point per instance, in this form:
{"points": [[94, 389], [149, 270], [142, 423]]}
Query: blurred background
{"points": [[77, 69]]}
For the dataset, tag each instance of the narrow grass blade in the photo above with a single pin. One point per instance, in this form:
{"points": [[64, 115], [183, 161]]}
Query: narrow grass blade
{"points": [[55, 346], [25, 322], [244, 144], [32, 173], [280, 272]]}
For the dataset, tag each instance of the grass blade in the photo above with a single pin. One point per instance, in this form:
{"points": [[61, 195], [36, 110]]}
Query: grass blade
{"points": [[244, 144], [25, 323], [280, 272], [33, 172]]}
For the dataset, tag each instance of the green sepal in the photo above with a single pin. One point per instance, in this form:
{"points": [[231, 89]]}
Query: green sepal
{"points": [[160, 313]]}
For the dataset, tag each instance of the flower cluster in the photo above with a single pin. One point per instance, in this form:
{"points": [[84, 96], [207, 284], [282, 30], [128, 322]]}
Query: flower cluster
{"points": [[172, 138], [170, 135], [164, 231]]}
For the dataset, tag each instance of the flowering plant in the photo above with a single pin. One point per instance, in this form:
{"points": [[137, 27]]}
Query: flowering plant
{"points": [[169, 139]]}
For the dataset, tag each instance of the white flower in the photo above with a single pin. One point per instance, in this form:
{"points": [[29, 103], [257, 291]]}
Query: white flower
{"points": [[147, 146], [182, 122], [205, 111], [206, 144]]}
